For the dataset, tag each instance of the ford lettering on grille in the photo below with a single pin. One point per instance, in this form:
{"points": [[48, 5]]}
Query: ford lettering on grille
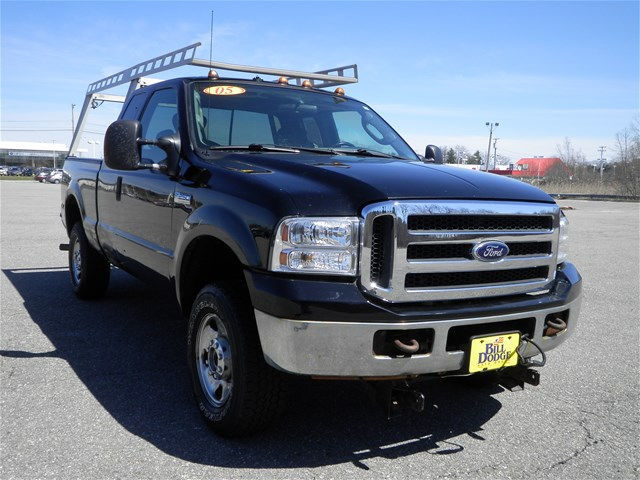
{"points": [[490, 251]]}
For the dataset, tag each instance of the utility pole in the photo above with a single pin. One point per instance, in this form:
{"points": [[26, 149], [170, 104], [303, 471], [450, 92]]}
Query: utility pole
{"points": [[490, 125], [495, 140], [53, 151], [601, 149], [73, 121]]}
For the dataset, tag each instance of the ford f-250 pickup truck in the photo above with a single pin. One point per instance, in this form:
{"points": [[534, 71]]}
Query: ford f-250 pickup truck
{"points": [[301, 234]]}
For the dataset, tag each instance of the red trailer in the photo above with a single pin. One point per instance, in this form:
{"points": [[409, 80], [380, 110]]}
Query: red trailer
{"points": [[540, 167]]}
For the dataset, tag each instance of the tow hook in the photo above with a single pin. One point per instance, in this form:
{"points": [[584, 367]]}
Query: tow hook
{"points": [[554, 326], [410, 348]]}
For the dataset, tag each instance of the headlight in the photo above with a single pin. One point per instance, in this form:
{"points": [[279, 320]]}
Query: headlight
{"points": [[563, 238], [316, 245]]}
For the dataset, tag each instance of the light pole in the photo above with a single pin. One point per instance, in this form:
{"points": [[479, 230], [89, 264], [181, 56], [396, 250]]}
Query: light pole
{"points": [[73, 121], [53, 154], [490, 125], [601, 149], [495, 140], [93, 144]]}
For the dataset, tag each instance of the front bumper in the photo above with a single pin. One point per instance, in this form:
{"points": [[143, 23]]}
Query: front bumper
{"points": [[323, 343], [345, 349]]}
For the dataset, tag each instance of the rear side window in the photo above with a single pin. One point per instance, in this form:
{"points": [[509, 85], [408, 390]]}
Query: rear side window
{"points": [[160, 119]]}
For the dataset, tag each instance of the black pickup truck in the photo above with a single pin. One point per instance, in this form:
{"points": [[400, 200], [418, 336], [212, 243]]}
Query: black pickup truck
{"points": [[302, 235]]}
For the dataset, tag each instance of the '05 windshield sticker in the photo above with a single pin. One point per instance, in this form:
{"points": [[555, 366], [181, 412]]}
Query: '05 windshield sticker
{"points": [[224, 90]]}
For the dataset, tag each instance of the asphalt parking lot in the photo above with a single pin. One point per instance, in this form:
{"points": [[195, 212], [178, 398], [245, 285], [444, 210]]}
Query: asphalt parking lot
{"points": [[101, 390]]}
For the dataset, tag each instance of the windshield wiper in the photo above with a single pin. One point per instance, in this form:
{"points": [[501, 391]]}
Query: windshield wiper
{"points": [[365, 152], [323, 151], [255, 147]]}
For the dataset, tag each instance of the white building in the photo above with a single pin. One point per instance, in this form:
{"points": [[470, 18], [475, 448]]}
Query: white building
{"points": [[33, 154]]}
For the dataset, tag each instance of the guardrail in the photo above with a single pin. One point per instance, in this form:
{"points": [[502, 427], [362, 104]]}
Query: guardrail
{"points": [[590, 196]]}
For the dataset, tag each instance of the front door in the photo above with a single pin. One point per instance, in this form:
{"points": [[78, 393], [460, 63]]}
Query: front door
{"points": [[136, 209]]}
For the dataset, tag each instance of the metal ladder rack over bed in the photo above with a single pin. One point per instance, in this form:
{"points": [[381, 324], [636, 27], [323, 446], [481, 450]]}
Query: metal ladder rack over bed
{"points": [[138, 76]]}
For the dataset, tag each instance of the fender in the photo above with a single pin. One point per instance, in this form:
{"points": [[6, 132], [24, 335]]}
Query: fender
{"points": [[79, 181], [223, 224], [88, 223]]}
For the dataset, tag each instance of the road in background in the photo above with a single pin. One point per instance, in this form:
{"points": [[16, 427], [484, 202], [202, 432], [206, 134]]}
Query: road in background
{"points": [[101, 389]]}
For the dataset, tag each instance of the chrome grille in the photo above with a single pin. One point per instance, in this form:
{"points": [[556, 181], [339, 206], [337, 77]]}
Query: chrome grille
{"points": [[424, 249], [416, 251], [476, 222]]}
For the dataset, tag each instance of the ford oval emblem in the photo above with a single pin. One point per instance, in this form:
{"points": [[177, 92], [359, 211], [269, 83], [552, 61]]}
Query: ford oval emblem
{"points": [[491, 251]]}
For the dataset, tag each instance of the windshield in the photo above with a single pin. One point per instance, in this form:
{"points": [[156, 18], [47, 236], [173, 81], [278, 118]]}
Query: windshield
{"points": [[228, 114]]}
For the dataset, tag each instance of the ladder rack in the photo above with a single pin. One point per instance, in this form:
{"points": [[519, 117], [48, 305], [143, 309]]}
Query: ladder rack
{"points": [[138, 76]]}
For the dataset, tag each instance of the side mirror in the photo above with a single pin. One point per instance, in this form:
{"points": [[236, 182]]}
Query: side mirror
{"points": [[121, 149], [433, 154], [122, 144]]}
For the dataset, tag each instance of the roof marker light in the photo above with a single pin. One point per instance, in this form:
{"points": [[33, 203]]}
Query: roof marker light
{"points": [[213, 75], [307, 84], [339, 91], [283, 81]]}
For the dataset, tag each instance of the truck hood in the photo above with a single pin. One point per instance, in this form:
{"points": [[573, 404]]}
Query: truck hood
{"points": [[344, 184]]}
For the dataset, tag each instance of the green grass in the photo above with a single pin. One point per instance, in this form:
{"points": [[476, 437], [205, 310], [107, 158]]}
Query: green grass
{"points": [[12, 177]]}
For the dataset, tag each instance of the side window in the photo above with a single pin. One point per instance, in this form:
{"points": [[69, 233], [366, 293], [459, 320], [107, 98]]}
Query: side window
{"points": [[132, 112], [160, 119]]}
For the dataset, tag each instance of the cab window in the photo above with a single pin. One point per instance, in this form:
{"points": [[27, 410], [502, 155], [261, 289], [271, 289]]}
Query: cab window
{"points": [[160, 119]]}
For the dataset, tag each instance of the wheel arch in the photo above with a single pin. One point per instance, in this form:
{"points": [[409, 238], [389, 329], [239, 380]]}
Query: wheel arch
{"points": [[72, 212], [207, 259]]}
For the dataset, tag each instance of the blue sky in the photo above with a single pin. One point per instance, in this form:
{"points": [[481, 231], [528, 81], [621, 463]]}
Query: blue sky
{"points": [[437, 71]]}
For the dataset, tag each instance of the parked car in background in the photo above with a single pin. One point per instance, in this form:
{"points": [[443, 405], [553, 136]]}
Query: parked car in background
{"points": [[4, 170], [14, 171], [55, 176], [42, 173], [27, 172]]}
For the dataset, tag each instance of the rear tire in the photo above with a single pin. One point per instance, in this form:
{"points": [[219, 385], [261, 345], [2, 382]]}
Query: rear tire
{"points": [[88, 268], [237, 393]]}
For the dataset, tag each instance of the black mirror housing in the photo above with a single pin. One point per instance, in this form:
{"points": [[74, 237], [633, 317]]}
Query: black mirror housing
{"points": [[433, 154], [121, 148]]}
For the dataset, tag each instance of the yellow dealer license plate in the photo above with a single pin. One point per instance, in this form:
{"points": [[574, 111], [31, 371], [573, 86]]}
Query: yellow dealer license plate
{"points": [[493, 352]]}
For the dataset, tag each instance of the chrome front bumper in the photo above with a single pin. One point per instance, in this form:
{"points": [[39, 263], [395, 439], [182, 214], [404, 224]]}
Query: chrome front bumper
{"points": [[346, 349]]}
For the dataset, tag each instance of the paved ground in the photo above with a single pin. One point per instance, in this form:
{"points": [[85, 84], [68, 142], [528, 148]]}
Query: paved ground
{"points": [[100, 390]]}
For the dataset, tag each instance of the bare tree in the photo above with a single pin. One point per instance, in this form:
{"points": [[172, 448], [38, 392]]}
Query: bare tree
{"points": [[461, 153], [626, 169]]}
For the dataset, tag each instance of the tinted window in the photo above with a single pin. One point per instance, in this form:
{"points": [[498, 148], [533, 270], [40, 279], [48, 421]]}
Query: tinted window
{"points": [[132, 112], [250, 127], [273, 115], [160, 119]]}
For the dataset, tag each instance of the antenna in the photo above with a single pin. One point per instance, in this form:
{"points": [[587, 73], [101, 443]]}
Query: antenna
{"points": [[212, 73], [211, 39]]}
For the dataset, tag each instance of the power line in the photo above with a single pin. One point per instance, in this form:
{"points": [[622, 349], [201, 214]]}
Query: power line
{"points": [[43, 130]]}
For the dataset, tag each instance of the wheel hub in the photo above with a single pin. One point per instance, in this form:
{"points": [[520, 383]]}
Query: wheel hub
{"points": [[213, 360], [218, 357], [76, 262]]}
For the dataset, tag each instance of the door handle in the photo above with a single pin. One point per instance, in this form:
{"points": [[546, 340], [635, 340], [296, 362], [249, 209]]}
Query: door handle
{"points": [[118, 189], [180, 198]]}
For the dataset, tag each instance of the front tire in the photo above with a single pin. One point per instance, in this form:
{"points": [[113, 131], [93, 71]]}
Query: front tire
{"points": [[88, 268], [237, 393]]}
